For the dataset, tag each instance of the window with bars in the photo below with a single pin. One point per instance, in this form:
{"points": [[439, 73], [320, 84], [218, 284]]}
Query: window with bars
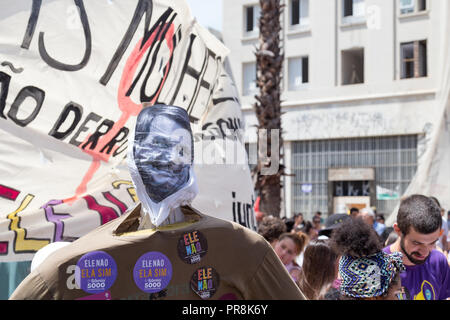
{"points": [[413, 59], [394, 160]]}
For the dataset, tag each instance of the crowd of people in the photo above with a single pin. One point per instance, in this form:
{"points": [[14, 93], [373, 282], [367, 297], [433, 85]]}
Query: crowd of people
{"points": [[357, 256], [163, 244]]}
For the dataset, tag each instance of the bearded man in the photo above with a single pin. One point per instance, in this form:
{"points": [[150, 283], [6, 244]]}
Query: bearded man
{"points": [[419, 226]]}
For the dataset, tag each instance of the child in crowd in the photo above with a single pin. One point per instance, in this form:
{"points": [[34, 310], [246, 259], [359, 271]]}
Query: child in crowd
{"points": [[288, 247], [367, 272]]}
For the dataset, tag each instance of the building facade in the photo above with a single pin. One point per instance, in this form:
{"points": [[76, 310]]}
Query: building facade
{"points": [[360, 82]]}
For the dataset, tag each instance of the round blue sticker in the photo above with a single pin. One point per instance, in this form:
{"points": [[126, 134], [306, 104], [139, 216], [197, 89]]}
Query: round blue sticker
{"points": [[152, 272], [95, 272]]}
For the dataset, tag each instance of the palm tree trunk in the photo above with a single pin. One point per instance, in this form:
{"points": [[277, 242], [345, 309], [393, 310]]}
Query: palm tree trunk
{"points": [[269, 64]]}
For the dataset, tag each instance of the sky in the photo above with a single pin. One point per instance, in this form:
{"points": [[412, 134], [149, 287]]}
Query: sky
{"points": [[207, 12]]}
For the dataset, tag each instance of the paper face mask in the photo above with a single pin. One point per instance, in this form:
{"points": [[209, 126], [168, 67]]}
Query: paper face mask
{"points": [[162, 150]]}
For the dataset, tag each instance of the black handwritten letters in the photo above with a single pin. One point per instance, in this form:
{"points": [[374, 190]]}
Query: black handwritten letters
{"points": [[243, 213], [182, 87]]}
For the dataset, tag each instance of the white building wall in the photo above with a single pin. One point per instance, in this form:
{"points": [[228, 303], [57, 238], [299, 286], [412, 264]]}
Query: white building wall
{"points": [[383, 105], [323, 43]]}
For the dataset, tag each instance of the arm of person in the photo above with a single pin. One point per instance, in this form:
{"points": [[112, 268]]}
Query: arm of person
{"points": [[295, 274], [33, 287]]}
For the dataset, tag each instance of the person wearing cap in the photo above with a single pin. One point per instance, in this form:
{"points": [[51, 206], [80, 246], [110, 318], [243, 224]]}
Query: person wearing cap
{"points": [[162, 248], [366, 271], [331, 223]]}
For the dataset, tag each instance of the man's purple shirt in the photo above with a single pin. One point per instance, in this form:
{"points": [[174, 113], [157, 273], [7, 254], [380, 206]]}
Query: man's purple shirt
{"points": [[428, 281]]}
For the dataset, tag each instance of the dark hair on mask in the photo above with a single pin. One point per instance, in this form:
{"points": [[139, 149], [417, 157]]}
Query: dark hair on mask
{"points": [[420, 212], [147, 115], [356, 238]]}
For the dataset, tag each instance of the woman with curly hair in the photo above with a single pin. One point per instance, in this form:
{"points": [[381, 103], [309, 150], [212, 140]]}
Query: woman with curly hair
{"points": [[367, 272]]}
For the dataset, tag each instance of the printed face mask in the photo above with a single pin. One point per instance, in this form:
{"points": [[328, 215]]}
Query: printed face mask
{"points": [[162, 152]]}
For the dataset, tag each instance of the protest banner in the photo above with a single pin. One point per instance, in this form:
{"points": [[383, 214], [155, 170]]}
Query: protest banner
{"points": [[73, 76]]}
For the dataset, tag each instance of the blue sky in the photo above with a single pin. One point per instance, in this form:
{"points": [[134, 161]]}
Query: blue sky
{"points": [[207, 12]]}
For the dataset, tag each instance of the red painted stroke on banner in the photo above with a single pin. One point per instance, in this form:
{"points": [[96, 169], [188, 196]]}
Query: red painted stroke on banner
{"points": [[3, 248], [8, 193], [106, 213], [117, 202], [126, 105]]}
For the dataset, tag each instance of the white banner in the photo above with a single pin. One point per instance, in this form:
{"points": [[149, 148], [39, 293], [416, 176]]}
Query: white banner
{"points": [[73, 76]]}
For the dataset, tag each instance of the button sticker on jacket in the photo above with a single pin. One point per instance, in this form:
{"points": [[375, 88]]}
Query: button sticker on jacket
{"points": [[95, 272], [192, 246], [205, 282], [152, 272]]}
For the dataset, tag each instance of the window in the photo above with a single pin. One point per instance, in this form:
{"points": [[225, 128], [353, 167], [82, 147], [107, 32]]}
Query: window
{"points": [[353, 8], [299, 12], [298, 72], [421, 5], [249, 78], [411, 6], [251, 14], [413, 59], [353, 66], [348, 8]]}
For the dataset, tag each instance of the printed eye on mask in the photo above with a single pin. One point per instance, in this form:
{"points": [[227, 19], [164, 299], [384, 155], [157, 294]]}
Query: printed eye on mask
{"points": [[160, 160]]}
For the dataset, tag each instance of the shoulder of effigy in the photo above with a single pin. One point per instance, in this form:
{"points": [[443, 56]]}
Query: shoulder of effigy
{"points": [[231, 232]]}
